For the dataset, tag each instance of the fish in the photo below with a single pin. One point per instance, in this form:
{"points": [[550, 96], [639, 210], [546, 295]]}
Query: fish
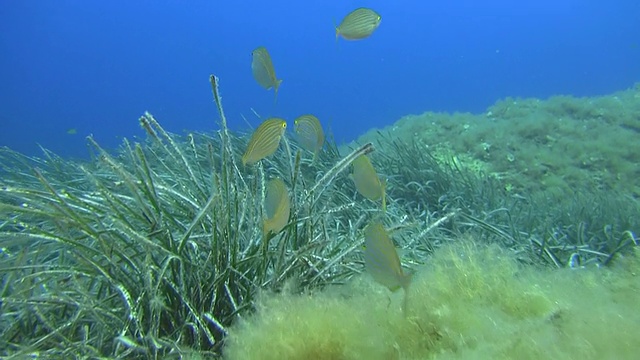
{"points": [[72, 131], [277, 207], [309, 133], [263, 71], [367, 181], [381, 259], [358, 24], [264, 141]]}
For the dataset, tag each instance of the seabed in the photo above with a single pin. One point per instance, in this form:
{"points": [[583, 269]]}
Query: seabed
{"points": [[520, 225]]}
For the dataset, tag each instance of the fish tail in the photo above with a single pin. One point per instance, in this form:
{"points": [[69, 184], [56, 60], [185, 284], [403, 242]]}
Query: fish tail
{"points": [[405, 281], [266, 229], [275, 90], [405, 304], [337, 30]]}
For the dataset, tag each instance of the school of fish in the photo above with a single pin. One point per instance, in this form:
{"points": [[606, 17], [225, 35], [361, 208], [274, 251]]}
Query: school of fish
{"points": [[380, 255], [358, 24]]}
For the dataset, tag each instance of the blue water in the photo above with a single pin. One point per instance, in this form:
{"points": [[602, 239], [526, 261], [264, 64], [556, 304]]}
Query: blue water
{"points": [[96, 66]]}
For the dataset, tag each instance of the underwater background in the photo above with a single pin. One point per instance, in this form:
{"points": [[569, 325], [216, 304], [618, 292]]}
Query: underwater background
{"points": [[93, 67], [319, 180]]}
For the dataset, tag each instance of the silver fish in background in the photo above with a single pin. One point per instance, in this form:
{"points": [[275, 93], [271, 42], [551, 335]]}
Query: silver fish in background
{"points": [[262, 69], [309, 133], [277, 207], [367, 181], [381, 258]]}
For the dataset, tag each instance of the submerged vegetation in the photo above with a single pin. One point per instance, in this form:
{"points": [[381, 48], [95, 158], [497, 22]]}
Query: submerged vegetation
{"points": [[158, 249], [563, 144], [471, 301]]}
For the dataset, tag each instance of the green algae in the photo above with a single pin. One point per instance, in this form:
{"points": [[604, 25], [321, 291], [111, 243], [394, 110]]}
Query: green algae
{"points": [[467, 302], [558, 144]]}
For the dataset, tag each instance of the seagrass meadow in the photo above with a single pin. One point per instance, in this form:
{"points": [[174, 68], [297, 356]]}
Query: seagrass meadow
{"points": [[156, 250]]}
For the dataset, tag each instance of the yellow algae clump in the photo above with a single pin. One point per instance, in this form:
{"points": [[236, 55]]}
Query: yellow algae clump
{"points": [[321, 326], [468, 302]]}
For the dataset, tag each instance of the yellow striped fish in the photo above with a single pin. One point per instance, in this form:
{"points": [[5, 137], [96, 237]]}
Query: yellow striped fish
{"points": [[381, 259], [367, 181], [263, 71], [277, 207], [309, 133], [358, 24], [264, 141]]}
